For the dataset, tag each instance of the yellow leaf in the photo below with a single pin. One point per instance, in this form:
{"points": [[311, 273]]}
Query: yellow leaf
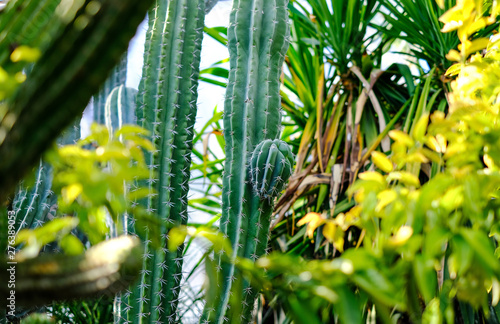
{"points": [[405, 177], [402, 236], [308, 218], [67, 151], [25, 53], [20, 77], [177, 236], [475, 46], [381, 161], [4, 76], [329, 230], [344, 221], [402, 137], [334, 235], [353, 214], [452, 20], [437, 143], [453, 55], [455, 17], [313, 221], [417, 157], [372, 176], [421, 128], [385, 198], [454, 69], [71, 192], [474, 27], [453, 198], [490, 163], [440, 3], [359, 196]]}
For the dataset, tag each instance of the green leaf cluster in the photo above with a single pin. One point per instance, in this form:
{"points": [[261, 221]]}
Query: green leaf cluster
{"points": [[92, 180]]}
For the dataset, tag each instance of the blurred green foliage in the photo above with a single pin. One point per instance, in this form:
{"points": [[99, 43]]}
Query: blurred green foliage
{"points": [[91, 181]]}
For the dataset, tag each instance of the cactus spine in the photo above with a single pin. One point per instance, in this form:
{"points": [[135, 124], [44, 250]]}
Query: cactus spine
{"points": [[166, 106], [257, 41]]}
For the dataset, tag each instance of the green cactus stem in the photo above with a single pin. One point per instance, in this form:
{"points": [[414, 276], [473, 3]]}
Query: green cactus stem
{"points": [[117, 78], [120, 107], [119, 110], [257, 41], [104, 269], [69, 72], [270, 167], [166, 106], [32, 206], [209, 4]]}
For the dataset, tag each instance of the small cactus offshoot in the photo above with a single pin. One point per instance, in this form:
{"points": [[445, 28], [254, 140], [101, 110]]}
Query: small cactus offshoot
{"points": [[270, 167]]}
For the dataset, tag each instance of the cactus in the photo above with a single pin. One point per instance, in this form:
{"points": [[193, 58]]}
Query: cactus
{"points": [[117, 78], [118, 111], [62, 82], [257, 41], [32, 205], [166, 106], [270, 166], [209, 4], [120, 107]]}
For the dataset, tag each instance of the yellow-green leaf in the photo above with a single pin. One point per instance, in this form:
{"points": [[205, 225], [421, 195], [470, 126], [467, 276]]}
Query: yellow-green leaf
{"points": [[381, 161], [372, 176], [385, 198], [454, 56], [402, 236], [476, 45], [421, 128], [334, 234], [177, 235], [25, 53], [407, 178], [71, 245], [401, 137], [71, 192], [313, 221], [454, 69]]}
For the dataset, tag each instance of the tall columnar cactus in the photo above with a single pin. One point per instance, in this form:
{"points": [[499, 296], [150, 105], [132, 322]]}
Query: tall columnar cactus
{"points": [[257, 40], [117, 78], [32, 206], [166, 106], [118, 111], [119, 108]]}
